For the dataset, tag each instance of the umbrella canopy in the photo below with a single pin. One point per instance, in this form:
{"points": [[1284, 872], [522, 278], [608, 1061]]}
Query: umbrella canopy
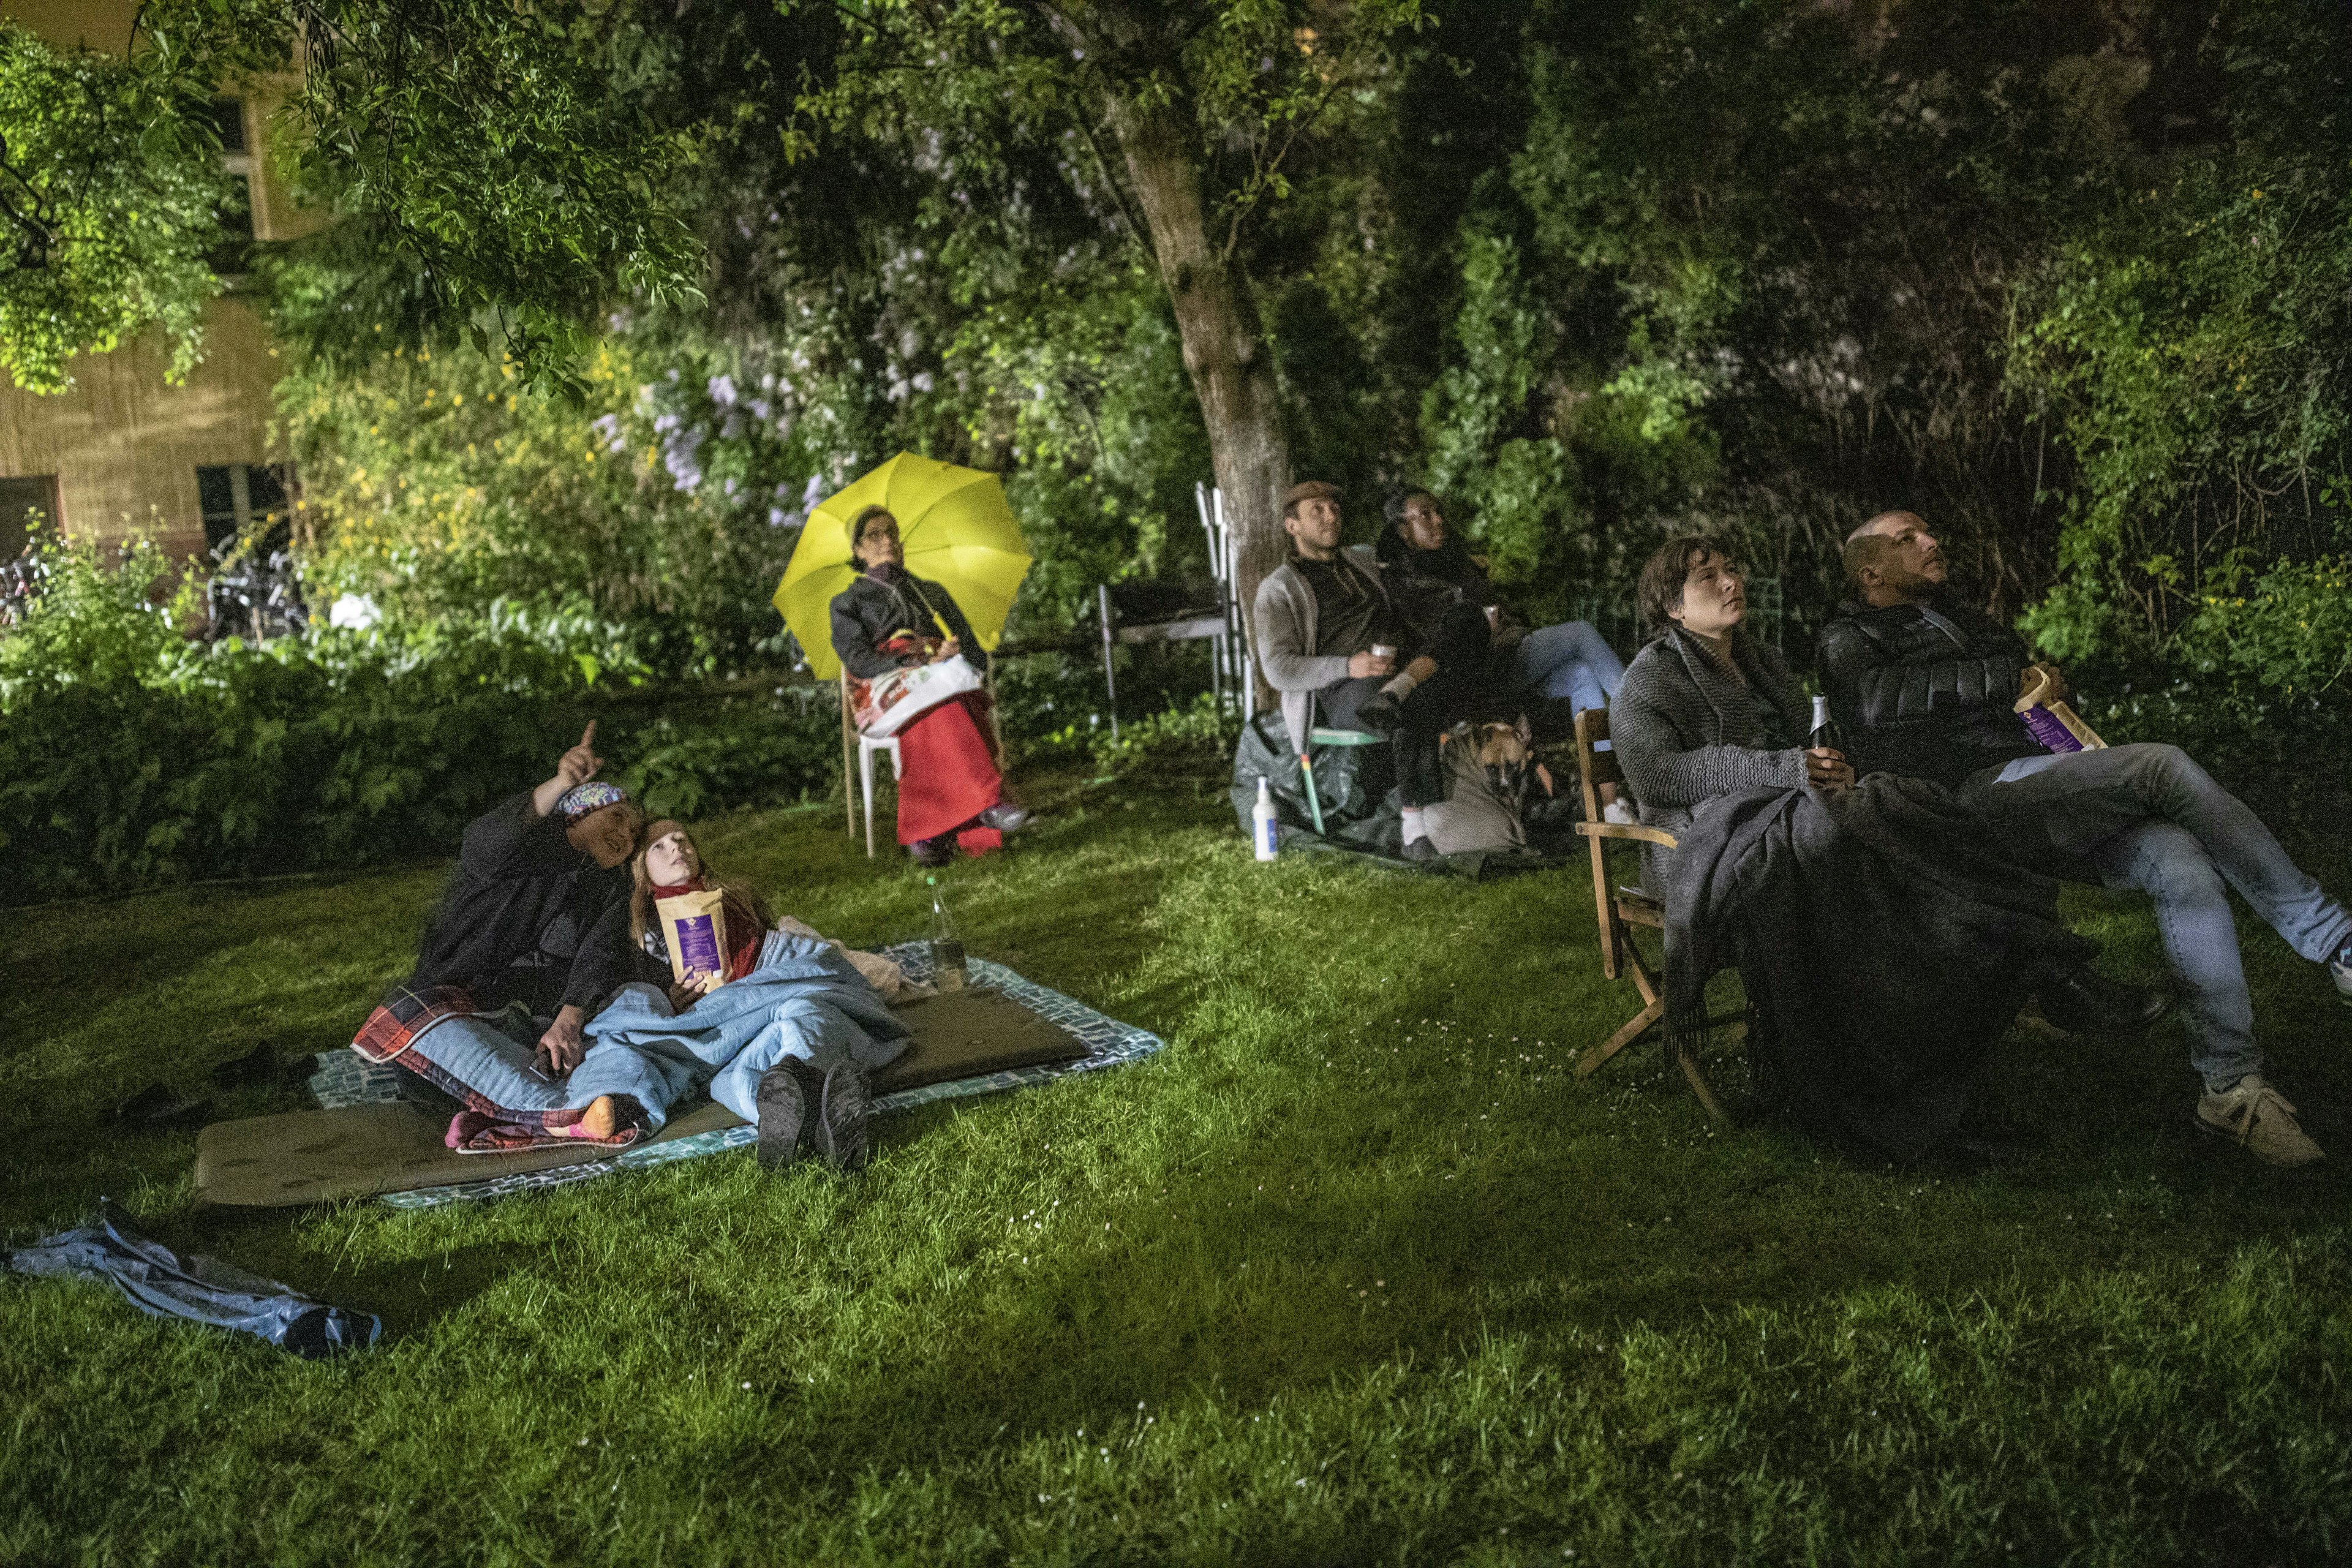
{"points": [[956, 527]]}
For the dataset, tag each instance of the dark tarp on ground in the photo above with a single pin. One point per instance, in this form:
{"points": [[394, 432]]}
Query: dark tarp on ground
{"points": [[157, 1280], [1361, 815]]}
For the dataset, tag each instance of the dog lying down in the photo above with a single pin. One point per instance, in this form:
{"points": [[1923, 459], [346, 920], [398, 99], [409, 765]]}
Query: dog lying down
{"points": [[1490, 773]]}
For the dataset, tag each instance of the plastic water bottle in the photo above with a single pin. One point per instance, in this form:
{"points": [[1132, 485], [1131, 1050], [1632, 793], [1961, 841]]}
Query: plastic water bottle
{"points": [[1262, 821], [946, 948]]}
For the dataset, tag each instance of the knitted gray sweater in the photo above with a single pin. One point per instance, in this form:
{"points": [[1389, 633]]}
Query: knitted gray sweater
{"points": [[1684, 729]]}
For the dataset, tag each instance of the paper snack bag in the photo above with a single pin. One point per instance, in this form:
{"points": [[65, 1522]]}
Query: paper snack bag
{"points": [[693, 928], [2054, 724]]}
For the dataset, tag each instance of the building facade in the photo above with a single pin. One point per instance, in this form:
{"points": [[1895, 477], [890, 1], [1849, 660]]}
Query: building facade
{"points": [[122, 453]]}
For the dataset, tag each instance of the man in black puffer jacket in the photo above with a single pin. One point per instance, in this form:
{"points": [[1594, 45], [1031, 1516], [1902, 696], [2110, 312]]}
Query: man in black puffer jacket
{"points": [[1926, 686]]}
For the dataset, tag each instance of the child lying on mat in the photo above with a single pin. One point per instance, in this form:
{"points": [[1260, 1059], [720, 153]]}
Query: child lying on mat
{"points": [[670, 864]]}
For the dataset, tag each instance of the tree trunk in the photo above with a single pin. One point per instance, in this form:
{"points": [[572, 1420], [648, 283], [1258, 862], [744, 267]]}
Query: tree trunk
{"points": [[1232, 373]]}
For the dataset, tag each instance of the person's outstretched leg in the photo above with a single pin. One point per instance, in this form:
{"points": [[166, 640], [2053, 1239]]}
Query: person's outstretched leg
{"points": [[2168, 863], [2082, 799], [2247, 853], [2200, 941], [1571, 661]]}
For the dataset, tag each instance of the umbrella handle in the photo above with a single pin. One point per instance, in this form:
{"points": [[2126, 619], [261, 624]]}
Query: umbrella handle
{"points": [[936, 619]]}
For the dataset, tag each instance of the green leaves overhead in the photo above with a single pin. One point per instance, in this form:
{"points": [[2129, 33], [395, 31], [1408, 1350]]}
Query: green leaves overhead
{"points": [[110, 181], [504, 157]]}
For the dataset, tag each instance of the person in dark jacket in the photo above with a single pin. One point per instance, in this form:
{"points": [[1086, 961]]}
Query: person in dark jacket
{"points": [[538, 910], [1569, 662], [1925, 684], [951, 792], [1331, 638]]}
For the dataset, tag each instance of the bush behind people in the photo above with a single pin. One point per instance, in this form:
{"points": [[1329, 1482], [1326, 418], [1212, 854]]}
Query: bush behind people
{"points": [[130, 756]]}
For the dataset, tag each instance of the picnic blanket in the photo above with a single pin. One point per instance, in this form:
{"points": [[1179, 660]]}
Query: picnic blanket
{"points": [[365, 1142]]}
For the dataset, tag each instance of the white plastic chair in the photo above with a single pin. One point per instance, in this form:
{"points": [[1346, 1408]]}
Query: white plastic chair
{"points": [[866, 749]]}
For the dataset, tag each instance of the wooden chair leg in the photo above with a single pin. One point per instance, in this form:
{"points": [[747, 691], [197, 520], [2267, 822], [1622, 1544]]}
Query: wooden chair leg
{"points": [[1687, 1057], [848, 765], [1590, 1062]]}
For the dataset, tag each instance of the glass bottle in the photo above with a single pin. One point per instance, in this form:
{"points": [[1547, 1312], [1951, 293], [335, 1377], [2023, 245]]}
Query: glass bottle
{"points": [[946, 948]]}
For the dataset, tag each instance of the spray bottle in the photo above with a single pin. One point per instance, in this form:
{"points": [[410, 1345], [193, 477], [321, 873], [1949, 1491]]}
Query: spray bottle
{"points": [[1262, 822]]}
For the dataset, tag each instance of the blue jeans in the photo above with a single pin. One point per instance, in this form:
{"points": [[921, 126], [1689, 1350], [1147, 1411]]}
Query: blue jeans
{"points": [[1570, 660], [505, 1071], [2146, 817]]}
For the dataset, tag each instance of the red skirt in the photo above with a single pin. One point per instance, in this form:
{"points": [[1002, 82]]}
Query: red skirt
{"points": [[948, 776]]}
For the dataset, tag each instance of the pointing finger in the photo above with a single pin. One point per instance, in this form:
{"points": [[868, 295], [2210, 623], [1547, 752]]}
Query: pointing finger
{"points": [[588, 736]]}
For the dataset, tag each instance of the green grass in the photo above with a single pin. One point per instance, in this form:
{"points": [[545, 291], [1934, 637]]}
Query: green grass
{"points": [[1355, 1271]]}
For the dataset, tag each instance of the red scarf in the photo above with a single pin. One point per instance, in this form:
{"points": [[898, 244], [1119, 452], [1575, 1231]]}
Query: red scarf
{"points": [[743, 933]]}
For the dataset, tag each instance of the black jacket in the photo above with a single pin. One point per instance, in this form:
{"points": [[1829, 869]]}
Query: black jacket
{"points": [[1914, 699], [1425, 584], [867, 614], [527, 917]]}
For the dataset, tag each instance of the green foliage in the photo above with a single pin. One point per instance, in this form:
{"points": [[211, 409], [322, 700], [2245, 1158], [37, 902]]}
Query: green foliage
{"points": [[111, 181], [2289, 633], [743, 751], [107, 615], [1194, 736], [437, 482], [128, 756], [505, 159], [2196, 338]]}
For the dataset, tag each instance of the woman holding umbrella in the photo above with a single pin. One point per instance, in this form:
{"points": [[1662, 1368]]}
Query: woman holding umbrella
{"points": [[951, 792]]}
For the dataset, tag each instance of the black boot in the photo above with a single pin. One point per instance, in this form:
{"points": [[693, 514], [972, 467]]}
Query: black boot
{"points": [[2087, 1002], [783, 1101], [846, 1106]]}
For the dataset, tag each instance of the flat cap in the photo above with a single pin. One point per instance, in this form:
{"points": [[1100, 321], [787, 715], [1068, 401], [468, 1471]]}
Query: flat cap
{"points": [[1310, 489]]}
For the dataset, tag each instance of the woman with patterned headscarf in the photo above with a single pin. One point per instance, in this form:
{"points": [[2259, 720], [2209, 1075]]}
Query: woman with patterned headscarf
{"points": [[538, 910]]}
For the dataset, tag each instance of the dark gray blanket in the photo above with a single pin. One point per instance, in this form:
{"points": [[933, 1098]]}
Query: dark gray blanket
{"points": [[1886, 937]]}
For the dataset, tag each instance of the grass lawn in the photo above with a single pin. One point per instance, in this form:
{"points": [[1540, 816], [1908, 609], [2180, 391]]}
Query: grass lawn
{"points": [[1356, 1272]]}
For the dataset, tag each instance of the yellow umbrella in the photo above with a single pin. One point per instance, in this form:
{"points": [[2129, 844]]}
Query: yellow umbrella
{"points": [[957, 531]]}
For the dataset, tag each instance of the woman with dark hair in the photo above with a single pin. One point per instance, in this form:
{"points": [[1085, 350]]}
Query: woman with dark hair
{"points": [[1428, 569], [1706, 709], [950, 793]]}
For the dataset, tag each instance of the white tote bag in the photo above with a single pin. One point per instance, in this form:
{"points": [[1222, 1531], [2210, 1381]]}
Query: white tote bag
{"points": [[897, 700]]}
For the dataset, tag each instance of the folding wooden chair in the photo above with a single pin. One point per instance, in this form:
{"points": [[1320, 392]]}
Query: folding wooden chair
{"points": [[1621, 908]]}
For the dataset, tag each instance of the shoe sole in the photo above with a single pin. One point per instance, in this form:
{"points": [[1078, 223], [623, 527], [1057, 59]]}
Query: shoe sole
{"points": [[2230, 1134], [840, 1133], [780, 1136]]}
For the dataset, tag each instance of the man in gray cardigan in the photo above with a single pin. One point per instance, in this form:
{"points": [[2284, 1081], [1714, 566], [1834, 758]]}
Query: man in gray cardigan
{"points": [[1329, 634]]}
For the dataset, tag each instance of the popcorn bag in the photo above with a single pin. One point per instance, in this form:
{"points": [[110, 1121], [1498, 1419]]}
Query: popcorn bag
{"points": [[2054, 724], [693, 928]]}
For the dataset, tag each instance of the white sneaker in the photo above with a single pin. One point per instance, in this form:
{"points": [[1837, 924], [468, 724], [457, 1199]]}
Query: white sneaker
{"points": [[2342, 974], [1619, 811], [2260, 1119]]}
